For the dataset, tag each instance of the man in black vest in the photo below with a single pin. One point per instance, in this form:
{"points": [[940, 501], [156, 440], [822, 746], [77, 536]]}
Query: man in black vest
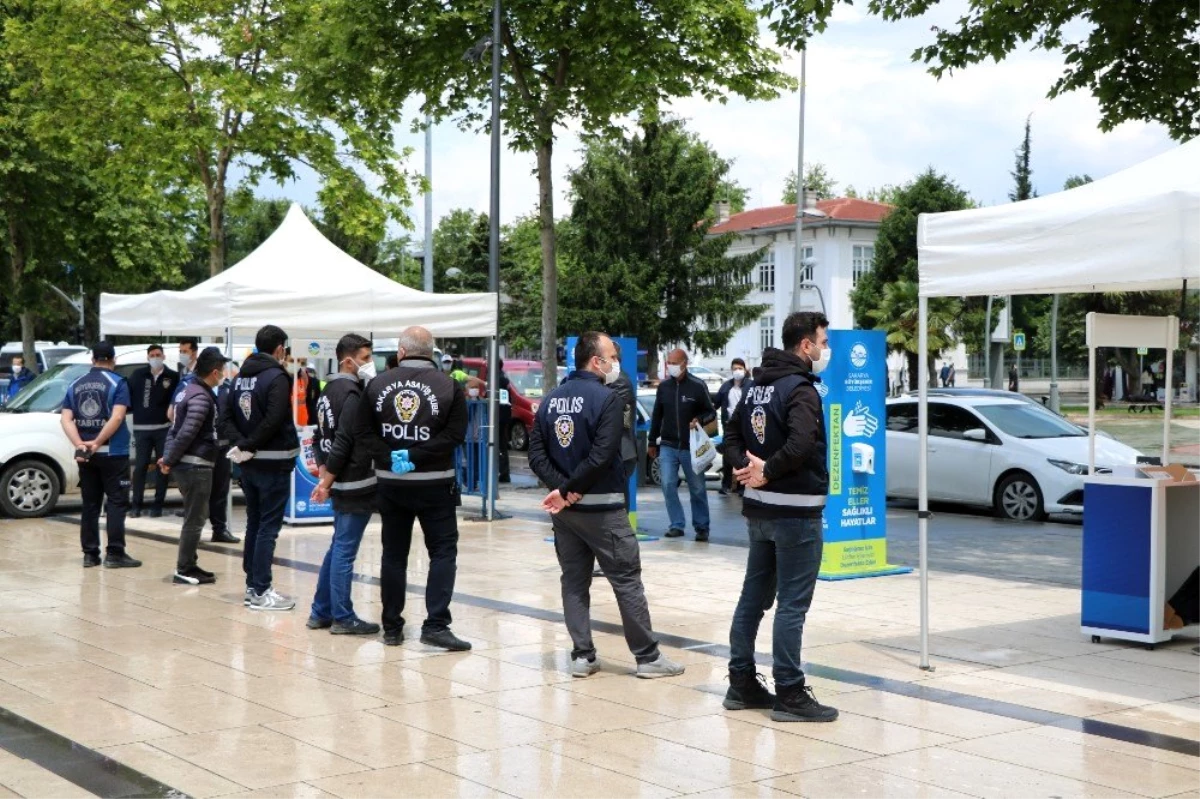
{"points": [[265, 444], [151, 389], [347, 473], [776, 442], [411, 419], [222, 473], [575, 449]]}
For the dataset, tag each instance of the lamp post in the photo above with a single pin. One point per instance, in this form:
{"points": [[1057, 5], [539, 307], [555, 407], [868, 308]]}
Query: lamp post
{"points": [[429, 204], [799, 254]]}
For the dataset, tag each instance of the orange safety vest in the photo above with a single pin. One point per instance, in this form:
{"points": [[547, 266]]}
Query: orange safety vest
{"points": [[299, 396]]}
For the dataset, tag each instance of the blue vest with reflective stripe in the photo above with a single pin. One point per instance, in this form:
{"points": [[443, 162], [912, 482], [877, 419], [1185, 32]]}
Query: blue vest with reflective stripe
{"points": [[764, 428], [569, 418]]}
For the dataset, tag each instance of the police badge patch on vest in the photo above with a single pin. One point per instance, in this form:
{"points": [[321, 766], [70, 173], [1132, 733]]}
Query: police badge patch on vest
{"points": [[564, 428], [90, 406], [758, 423], [245, 404], [407, 404]]}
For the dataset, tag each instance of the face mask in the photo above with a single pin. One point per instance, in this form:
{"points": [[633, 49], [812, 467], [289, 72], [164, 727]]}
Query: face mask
{"points": [[292, 369], [446, 367], [739, 374], [366, 371], [674, 369], [17, 369], [612, 376], [473, 393], [819, 365], [156, 363]]}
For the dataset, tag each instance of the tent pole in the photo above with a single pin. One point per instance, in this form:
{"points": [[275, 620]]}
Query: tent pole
{"points": [[923, 471], [229, 493], [987, 346], [1054, 400], [493, 464], [1168, 377], [1091, 404]]}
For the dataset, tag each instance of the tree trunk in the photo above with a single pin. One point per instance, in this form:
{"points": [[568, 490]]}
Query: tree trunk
{"points": [[21, 292], [549, 261], [913, 361], [28, 337], [216, 231]]}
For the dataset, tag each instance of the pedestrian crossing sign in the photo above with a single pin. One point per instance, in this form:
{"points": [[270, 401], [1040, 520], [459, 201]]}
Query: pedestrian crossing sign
{"points": [[1019, 341]]}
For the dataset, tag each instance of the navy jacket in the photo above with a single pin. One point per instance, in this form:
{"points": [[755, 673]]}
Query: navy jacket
{"points": [[259, 415], [192, 442]]}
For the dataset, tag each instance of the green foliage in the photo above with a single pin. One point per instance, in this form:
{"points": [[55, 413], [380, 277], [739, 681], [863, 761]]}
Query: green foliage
{"points": [[735, 194], [646, 266], [816, 180], [1075, 181], [1022, 173], [1139, 59], [1073, 310], [887, 194]]}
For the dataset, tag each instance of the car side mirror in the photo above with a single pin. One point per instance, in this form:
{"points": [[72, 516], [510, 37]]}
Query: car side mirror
{"points": [[975, 434]]}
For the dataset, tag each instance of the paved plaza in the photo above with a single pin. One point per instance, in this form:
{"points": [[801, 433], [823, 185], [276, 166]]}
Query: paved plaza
{"points": [[120, 683]]}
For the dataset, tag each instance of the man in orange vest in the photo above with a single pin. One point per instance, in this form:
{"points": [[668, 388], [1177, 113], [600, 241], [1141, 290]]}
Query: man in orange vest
{"points": [[305, 392]]}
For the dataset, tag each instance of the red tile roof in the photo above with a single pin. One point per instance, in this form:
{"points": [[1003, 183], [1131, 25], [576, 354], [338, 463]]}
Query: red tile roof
{"points": [[845, 209]]}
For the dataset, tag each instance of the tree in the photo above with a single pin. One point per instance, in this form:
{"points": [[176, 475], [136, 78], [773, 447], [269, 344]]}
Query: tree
{"points": [[1075, 181], [896, 262], [195, 87], [460, 241], [589, 62], [1138, 59], [645, 263], [1022, 173], [816, 180], [886, 194], [898, 315]]}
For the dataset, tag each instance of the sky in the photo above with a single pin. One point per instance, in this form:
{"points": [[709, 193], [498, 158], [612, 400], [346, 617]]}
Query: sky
{"points": [[873, 117]]}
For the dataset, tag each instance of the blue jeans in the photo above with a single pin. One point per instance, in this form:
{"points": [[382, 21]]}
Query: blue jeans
{"points": [[332, 600], [670, 460], [785, 556], [267, 493]]}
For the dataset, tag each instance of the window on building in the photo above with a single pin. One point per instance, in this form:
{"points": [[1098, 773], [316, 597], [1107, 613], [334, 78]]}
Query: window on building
{"points": [[863, 260], [766, 332], [766, 271], [806, 268]]}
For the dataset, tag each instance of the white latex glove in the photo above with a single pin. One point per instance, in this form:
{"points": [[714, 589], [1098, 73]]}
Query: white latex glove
{"points": [[237, 456]]}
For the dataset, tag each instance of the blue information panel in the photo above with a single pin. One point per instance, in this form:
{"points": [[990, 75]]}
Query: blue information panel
{"points": [[854, 393], [301, 509]]}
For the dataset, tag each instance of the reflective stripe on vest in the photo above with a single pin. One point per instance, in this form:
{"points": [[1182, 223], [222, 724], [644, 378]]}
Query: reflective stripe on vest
{"points": [[276, 454], [138, 427], [102, 450], [195, 460], [601, 499], [414, 476], [788, 500], [354, 485]]}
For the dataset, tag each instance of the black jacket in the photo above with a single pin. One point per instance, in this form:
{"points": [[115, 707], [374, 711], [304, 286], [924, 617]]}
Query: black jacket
{"points": [[259, 415], [677, 403], [792, 442], [336, 450], [192, 442], [151, 397], [723, 397], [625, 390]]}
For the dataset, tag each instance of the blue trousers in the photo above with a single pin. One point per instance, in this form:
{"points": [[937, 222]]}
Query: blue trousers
{"points": [[332, 600], [670, 461]]}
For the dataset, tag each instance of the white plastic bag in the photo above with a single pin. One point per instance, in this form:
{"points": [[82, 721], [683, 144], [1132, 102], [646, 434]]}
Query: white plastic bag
{"points": [[703, 451]]}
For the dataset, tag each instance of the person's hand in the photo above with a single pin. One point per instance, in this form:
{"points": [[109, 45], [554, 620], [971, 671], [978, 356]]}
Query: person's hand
{"points": [[400, 462], [652, 451], [573, 497], [320, 494], [163, 468], [751, 475], [694, 424], [554, 502]]}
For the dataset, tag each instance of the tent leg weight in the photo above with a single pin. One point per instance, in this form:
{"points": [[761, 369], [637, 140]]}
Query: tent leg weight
{"points": [[1095, 639]]}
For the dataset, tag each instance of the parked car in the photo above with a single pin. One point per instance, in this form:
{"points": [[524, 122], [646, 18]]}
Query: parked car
{"points": [[525, 393], [1016, 457], [37, 461], [998, 394], [47, 353], [645, 407], [713, 379]]}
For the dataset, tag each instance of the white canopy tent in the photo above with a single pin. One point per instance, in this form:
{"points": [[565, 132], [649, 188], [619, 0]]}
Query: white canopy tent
{"points": [[302, 282], [1137, 230]]}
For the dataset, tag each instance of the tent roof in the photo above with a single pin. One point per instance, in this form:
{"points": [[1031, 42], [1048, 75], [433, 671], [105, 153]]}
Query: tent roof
{"points": [[1137, 230], [299, 280]]}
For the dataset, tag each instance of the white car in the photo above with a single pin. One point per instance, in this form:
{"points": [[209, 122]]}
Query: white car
{"points": [[645, 408], [713, 379], [37, 461], [1016, 457]]}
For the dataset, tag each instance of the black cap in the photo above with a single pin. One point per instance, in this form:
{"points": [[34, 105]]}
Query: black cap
{"points": [[104, 351], [210, 358]]}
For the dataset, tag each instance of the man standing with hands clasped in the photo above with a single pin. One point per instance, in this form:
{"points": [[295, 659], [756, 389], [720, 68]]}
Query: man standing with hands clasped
{"points": [[776, 442], [575, 449]]}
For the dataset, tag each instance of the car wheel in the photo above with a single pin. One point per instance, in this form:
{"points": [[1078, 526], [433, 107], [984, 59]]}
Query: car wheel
{"points": [[28, 489], [518, 438], [653, 475], [1018, 498]]}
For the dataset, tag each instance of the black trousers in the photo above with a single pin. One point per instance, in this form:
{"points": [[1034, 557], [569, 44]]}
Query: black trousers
{"points": [[104, 479], [150, 445], [433, 506], [1186, 601], [505, 431], [221, 474]]}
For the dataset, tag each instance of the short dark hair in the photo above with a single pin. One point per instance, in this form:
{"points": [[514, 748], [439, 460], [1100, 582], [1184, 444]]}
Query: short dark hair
{"points": [[587, 347], [153, 347], [802, 325], [350, 344], [210, 359], [737, 362], [192, 340], [269, 338]]}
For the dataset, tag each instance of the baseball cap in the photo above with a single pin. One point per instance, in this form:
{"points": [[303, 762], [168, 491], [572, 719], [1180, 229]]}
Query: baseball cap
{"points": [[104, 351], [447, 359], [210, 358]]}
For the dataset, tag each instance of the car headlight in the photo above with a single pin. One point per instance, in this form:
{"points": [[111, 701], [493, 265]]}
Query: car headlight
{"points": [[1069, 467]]}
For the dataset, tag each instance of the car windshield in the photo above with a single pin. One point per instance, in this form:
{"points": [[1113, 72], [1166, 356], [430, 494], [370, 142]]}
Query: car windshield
{"points": [[45, 394], [527, 383], [1028, 421]]}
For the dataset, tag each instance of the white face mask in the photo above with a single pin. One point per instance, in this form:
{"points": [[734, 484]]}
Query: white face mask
{"points": [[292, 369], [611, 376], [819, 365], [156, 363], [366, 371], [473, 393], [447, 366], [674, 369], [739, 374], [17, 369]]}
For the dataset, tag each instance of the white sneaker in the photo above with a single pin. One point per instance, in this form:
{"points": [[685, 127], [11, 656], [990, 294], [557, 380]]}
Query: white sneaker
{"points": [[248, 597], [271, 600], [582, 667], [660, 667]]}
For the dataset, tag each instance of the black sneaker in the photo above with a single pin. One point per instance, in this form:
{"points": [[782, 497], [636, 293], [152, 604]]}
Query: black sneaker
{"points": [[224, 537], [121, 561], [90, 560], [210, 577], [798, 703], [315, 623], [354, 627], [136, 513], [724, 492], [193, 576], [444, 639], [393, 639], [155, 513], [674, 532], [748, 691], [702, 535]]}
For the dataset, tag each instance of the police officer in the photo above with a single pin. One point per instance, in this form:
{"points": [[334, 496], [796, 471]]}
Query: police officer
{"points": [[776, 442], [575, 449], [152, 389], [222, 472], [264, 440], [346, 470], [93, 417], [411, 419]]}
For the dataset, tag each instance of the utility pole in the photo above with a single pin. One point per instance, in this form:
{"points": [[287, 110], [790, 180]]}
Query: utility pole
{"points": [[798, 269], [494, 276], [1054, 403], [429, 204]]}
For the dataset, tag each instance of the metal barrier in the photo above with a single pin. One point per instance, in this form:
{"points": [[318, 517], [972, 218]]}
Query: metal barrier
{"points": [[471, 458]]}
